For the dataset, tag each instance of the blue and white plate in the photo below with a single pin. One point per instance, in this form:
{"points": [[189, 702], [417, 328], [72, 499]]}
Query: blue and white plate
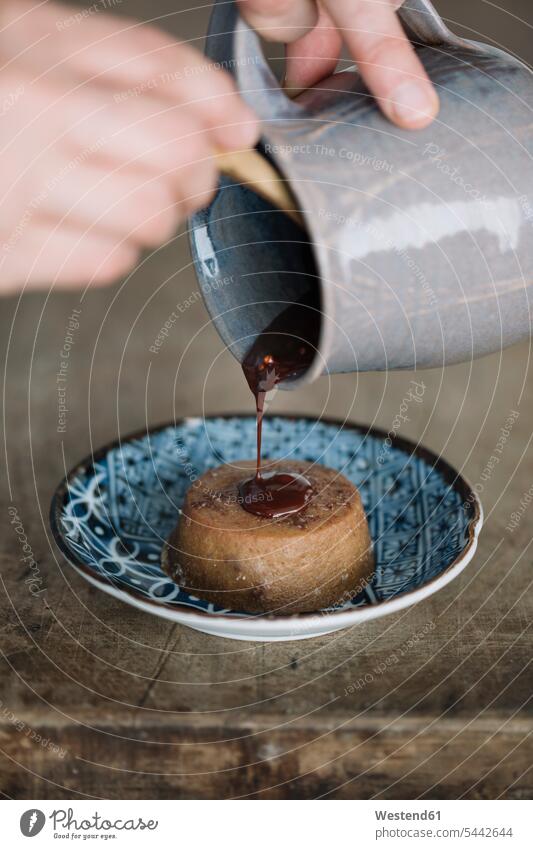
{"points": [[114, 511]]}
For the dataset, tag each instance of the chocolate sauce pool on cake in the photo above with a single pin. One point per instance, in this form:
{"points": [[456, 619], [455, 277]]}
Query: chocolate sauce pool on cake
{"points": [[275, 494], [283, 351]]}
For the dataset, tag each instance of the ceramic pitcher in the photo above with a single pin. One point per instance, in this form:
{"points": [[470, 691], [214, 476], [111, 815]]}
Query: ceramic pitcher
{"points": [[418, 245]]}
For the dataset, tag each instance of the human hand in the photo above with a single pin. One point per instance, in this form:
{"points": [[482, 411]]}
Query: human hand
{"points": [[314, 33], [108, 133]]}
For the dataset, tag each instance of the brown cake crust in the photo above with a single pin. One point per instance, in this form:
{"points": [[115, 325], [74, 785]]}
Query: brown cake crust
{"points": [[305, 562]]}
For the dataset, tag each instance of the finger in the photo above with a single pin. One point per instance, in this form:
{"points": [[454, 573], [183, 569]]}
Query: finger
{"points": [[211, 94], [182, 76], [130, 59], [46, 255], [386, 59], [314, 56], [280, 20], [126, 205], [144, 133]]}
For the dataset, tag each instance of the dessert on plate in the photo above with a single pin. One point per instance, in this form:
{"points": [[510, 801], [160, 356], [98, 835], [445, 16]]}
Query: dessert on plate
{"points": [[296, 540]]}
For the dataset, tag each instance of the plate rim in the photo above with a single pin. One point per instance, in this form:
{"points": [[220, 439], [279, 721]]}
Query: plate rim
{"points": [[275, 625]]}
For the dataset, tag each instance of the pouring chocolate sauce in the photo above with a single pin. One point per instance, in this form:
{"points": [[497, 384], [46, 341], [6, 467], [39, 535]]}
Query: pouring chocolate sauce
{"points": [[283, 351]]}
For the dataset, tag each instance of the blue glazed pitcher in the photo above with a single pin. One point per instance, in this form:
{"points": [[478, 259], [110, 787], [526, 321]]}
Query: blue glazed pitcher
{"points": [[417, 247]]}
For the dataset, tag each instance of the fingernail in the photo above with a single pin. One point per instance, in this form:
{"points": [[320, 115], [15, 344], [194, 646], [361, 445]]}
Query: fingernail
{"points": [[414, 104]]}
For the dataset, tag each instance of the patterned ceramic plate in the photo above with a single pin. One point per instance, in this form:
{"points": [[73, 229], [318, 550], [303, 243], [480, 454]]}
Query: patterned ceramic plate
{"points": [[113, 512]]}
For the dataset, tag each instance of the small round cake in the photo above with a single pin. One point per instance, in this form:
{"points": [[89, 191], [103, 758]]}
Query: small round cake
{"points": [[317, 557]]}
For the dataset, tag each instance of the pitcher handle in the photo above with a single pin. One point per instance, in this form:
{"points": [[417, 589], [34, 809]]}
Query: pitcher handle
{"points": [[233, 45], [424, 25]]}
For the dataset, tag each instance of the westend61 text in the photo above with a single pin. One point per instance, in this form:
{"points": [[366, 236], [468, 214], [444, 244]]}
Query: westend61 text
{"points": [[407, 815]]}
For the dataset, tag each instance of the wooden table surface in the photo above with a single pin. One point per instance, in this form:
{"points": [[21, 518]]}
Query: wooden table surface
{"points": [[100, 700]]}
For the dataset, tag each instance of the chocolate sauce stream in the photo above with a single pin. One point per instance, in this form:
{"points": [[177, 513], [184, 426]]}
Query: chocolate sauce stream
{"points": [[283, 351]]}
